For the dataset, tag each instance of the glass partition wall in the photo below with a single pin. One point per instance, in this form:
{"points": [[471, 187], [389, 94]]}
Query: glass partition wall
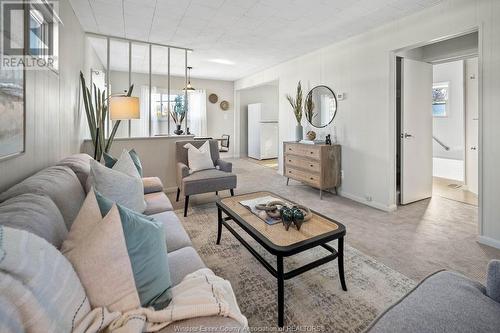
{"points": [[158, 74]]}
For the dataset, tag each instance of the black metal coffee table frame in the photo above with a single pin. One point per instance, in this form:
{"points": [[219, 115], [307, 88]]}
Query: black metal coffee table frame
{"points": [[285, 251]]}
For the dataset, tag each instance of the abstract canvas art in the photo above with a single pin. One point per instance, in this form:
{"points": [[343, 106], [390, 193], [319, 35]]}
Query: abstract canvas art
{"points": [[12, 118]]}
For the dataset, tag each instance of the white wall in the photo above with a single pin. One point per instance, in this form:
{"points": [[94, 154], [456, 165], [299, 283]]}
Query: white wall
{"points": [[450, 129], [362, 67], [218, 122], [266, 94], [52, 107]]}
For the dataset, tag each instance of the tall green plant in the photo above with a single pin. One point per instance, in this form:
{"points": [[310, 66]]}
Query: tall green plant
{"points": [[96, 110], [309, 107], [296, 103]]}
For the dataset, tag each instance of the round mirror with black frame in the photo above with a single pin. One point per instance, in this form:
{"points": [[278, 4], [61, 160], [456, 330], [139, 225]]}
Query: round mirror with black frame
{"points": [[320, 106]]}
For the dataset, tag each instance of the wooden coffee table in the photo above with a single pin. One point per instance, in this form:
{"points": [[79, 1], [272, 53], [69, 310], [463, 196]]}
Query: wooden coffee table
{"points": [[318, 231]]}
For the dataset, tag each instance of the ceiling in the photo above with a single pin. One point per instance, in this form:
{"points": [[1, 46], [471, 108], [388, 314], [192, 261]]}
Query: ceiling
{"points": [[234, 38]]}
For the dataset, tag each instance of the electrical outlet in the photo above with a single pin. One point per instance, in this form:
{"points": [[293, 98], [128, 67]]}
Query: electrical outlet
{"points": [[341, 174], [340, 96]]}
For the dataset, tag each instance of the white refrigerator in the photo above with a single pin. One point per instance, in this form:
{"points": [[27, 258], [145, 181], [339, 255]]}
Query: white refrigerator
{"points": [[262, 132]]}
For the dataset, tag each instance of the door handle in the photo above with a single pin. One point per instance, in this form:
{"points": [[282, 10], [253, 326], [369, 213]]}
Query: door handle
{"points": [[473, 148], [406, 135]]}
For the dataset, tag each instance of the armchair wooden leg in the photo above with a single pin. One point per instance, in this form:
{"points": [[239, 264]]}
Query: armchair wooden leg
{"points": [[232, 192], [186, 203], [216, 192], [178, 193]]}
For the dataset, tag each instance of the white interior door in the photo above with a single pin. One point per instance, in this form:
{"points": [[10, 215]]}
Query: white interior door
{"points": [[471, 124], [416, 131]]}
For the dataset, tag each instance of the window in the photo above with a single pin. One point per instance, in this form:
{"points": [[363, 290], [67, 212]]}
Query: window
{"points": [[440, 99], [160, 118], [44, 32]]}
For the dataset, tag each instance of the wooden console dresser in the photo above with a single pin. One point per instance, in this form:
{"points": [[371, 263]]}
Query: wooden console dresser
{"points": [[316, 165]]}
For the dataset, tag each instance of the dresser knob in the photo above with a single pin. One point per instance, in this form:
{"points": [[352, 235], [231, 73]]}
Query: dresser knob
{"points": [[312, 165], [312, 152], [312, 178]]}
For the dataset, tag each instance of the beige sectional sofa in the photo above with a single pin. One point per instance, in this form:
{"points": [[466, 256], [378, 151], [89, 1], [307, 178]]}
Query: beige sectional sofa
{"points": [[62, 187]]}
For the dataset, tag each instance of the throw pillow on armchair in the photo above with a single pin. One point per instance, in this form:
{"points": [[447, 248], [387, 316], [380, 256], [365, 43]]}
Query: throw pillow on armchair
{"points": [[199, 158]]}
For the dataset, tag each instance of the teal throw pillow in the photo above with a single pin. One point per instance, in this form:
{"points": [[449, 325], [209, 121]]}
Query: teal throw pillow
{"points": [[110, 161], [147, 249]]}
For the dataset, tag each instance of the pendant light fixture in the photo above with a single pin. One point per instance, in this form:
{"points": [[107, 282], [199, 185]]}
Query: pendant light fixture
{"points": [[189, 87]]}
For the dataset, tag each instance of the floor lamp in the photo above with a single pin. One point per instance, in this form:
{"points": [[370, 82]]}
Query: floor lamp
{"points": [[120, 108]]}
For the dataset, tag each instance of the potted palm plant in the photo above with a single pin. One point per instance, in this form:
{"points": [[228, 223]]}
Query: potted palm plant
{"points": [[96, 109], [296, 104], [178, 113]]}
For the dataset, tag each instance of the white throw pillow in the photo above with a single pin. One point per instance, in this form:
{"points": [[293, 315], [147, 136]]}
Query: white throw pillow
{"points": [[199, 158], [121, 184]]}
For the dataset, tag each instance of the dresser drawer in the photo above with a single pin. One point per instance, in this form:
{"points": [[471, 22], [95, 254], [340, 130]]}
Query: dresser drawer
{"points": [[303, 176], [302, 163], [309, 151]]}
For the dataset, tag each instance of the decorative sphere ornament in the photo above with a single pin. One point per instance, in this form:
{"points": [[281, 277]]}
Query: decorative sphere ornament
{"points": [[286, 217], [311, 135]]}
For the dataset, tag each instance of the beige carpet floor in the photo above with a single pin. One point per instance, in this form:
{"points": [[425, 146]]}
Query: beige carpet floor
{"points": [[415, 240], [313, 300]]}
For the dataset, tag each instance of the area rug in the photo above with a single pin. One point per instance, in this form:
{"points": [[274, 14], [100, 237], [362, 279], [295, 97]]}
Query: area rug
{"points": [[314, 301]]}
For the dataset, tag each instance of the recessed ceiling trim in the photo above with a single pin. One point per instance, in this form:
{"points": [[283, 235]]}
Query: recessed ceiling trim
{"points": [[137, 41]]}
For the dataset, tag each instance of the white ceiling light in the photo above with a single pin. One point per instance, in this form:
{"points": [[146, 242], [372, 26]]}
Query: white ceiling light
{"points": [[222, 61]]}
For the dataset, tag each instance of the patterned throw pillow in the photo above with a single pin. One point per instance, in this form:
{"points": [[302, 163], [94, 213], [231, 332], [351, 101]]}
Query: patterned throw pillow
{"points": [[147, 250], [110, 161], [40, 291], [96, 247], [121, 184]]}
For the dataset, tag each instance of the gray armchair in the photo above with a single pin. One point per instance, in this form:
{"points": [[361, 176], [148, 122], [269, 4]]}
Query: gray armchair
{"points": [[204, 181]]}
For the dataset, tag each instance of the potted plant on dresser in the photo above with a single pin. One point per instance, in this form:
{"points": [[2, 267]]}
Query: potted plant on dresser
{"points": [[296, 104]]}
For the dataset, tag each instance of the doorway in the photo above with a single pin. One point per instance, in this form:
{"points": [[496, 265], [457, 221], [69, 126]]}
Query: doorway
{"points": [[258, 124], [437, 121]]}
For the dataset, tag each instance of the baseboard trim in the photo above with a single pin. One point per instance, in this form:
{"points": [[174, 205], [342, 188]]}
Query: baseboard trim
{"points": [[489, 241], [374, 204]]}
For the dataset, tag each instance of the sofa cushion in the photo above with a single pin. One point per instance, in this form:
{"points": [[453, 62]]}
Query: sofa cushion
{"points": [[40, 284], [118, 185], [147, 250], [34, 213], [80, 164], [60, 184], [152, 185], [175, 234], [157, 203], [97, 250], [183, 262], [443, 302], [493, 280], [208, 181]]}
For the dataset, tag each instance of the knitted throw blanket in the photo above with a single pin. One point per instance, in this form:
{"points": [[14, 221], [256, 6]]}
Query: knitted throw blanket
{"points": [[200, 294]]}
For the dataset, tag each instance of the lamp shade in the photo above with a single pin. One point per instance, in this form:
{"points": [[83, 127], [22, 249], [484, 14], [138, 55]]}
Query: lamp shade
{"points": [[124, 108]]}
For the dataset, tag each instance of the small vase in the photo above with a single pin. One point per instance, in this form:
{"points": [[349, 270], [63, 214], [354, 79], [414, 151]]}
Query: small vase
{"points": [[299, 132], [178, 131]]}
